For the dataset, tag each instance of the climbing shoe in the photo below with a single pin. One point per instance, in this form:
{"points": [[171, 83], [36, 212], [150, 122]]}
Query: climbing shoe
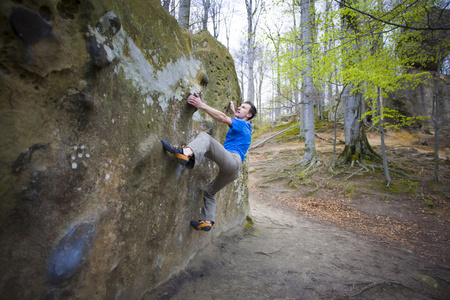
{"points": [[176, 151], [202, 225]]}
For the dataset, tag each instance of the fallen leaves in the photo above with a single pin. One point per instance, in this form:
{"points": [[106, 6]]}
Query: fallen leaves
{"points": [[361, 203]]}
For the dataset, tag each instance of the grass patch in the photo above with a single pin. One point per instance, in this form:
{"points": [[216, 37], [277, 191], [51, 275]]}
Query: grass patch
{"points": [[249, 228], [400, 186], [289, 134], [349, 190]]}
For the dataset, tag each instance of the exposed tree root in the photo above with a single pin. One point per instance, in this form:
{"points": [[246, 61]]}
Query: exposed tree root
{"points": [[361, 150], [308, 163], [398, 171], [306, 167], [329, 140], [358, 172], [367, 168], [313, 190]]}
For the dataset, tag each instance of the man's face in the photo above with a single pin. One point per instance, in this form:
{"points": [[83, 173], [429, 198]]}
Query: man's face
{"points": [[242, 112]]}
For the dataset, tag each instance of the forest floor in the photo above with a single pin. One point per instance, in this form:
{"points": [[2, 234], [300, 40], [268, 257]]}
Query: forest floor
{"points": [[332, 235], [413, 212]]}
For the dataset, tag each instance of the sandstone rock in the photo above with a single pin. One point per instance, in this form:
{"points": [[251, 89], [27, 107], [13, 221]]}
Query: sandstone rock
{"points": [[91, 205], [419, 102], [29, 25], [70, 253]]}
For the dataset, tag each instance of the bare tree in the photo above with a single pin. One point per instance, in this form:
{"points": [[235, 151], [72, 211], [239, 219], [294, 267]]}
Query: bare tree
{"points": [[173, 8], [307, 9], [169, 6], [166, 5], [383, 143], [435, 118], [253, 12], [275, 37], [206, 7], [216, 12], [240, 61], [183, 15], [262, 68], [228, 19], [206, 13]]}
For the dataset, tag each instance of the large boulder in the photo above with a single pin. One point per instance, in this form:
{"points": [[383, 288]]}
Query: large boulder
{"points": [[418, 101], [91, 205]]}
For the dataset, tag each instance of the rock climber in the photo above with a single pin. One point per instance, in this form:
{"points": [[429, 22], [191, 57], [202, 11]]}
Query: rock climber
{"points": [[228, 157]]}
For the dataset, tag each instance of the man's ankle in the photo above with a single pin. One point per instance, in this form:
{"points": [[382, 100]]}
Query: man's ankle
{"points": [[188, 152]]}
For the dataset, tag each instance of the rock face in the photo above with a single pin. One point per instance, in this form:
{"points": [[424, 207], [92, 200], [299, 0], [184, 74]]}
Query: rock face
{"points": [[91, 205], [419, 102]]}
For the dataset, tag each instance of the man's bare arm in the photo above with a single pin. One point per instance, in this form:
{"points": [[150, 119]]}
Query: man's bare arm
{"points": [[214, 113]]}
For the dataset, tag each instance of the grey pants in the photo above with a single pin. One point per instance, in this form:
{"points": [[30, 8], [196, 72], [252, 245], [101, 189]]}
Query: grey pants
{"points": [[229, 166]]}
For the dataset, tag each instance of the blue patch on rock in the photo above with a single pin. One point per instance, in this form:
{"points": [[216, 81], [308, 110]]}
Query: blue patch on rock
{"points": [[29, 25], [70, 253]]}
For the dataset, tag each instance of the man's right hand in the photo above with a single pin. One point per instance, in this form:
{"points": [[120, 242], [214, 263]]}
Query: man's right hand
{"points": [[214, 113], [195, 100]]}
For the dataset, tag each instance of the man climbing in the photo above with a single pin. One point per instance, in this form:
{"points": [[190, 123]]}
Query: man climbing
{"points": [[228, 157]]}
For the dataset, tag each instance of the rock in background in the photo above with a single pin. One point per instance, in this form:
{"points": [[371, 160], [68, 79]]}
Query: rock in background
{"points": [[419, 102], [91, 205]]}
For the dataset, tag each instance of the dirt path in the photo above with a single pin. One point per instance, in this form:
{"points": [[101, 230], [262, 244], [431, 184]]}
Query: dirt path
{"points": [[349, 239], [289, 256]]}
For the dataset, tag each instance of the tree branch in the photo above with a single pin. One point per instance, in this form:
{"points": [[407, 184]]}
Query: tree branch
{"points": [[391, 23]]}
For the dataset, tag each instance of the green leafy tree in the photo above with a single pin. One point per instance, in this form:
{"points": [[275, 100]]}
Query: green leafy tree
{"points": [[414, 34], [352, 60]]}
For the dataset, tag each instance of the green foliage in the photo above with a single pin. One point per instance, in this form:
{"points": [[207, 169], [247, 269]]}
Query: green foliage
{"points": [[356, 50], [302, 176], [349, 190], [394, 119], [429, 203]]}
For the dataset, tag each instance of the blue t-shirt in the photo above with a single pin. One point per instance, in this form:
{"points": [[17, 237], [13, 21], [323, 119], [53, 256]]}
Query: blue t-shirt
{"points": [[239, 137]]}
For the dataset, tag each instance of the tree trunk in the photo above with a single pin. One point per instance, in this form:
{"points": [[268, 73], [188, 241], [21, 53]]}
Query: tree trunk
{"points": [[320, 103], [166, 5], [383, 144], [183, 16], [260, 85], [297, 83], [307, 8], [251, 13], [328, 85], [206, 6], [357, 145], [301, 114], [436, 126], [335, 134], [216, 11]]}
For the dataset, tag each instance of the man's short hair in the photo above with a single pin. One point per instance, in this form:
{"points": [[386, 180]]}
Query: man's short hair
{"points": [[252, 110]]}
